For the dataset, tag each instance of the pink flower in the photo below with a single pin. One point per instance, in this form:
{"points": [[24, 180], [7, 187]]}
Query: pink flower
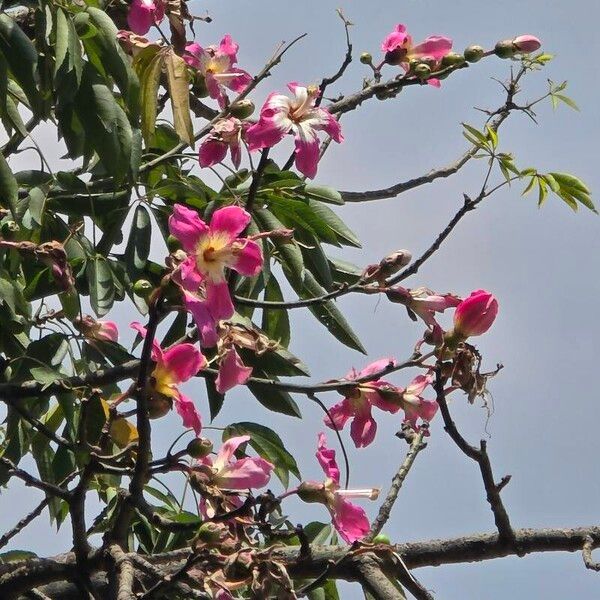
{"points": [[475, 314], [527, 43], [216, 64], [97, 329], [232, 371], [143, 14], [281, 115], [229, 473], [225, 135], [400, 50], [413, 404], [211, 249], [350, 520], [172, 367], [358, 402], [426, 303]]}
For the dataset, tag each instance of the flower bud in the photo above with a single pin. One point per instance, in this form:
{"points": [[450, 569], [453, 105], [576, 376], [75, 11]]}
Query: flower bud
{"points": [[452, 58], [505, 49], [429, 61], [475, 314], [242, 109], [199, 447], [526, 44], [422, 71], [474, 54], [142, 288], [382, 538], [366, 58]]}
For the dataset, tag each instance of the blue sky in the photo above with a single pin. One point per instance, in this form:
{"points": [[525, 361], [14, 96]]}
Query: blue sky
{"points": [[543, 266]]}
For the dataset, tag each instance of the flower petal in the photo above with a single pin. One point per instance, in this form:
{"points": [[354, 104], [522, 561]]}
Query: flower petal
{"points": [[230, 220], [350, 520], [363, 429], [339, 413], [248, 260], [249, 472], [307, 156], [218, 300], [211, 152], [435, 46], [326, 458], [232, 372], [157, 353], [187, 227], [183, 361], [202, 317], [186, 409], [227, 450]]}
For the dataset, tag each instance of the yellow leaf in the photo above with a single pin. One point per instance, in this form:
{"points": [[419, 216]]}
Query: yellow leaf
{"points": [[179, 91]]}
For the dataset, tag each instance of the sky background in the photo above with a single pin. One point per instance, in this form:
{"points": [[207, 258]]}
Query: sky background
{"points": [[543, 266]]}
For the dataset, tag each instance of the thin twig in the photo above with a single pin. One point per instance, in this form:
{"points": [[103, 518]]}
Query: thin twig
{"points": [[416, 445], [586, 552]]}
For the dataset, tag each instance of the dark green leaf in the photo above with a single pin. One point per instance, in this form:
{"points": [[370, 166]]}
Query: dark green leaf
{"points": [[275, 322], [102, 288], [323, 193], [274, 399], [138, 245], [9, 189]]}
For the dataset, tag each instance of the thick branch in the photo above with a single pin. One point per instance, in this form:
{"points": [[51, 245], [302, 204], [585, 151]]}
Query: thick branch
{"points": [[374, 580]]}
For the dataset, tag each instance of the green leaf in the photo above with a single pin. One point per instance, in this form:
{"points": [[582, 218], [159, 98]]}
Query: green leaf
{"points": [[105, 123], [106, 52], [68, 65], [215, 399], [274, 399], [22, 58], [568, 101], [323, 193], [9, 189], [268, 445], [179, 92], [328, 313], [16, 556], [138, 245], [275, 322], [102, 288], [344, 234]]}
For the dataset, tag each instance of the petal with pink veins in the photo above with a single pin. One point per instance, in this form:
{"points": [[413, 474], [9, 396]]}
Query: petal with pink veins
{"points": [[436, 46], [218, 300], [307, 156], [231, 220], [350, 520], [211, 152], [249, 260], [326, 458], [232, 372], [363, 429], [183, 361], [245, 473], [187, 227], [186, 409]]}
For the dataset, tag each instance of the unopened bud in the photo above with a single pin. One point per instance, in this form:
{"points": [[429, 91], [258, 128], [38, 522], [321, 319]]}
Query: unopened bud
{"points": [[422, 71], [526, 43], [474, 54], [452, 58], [142, 288], [242, 109], [382, 538], [505, 49], [394, 262], [199, 447], [429, 61], [366, 58]]}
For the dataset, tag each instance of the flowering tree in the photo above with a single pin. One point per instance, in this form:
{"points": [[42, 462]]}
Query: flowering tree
{"points": [[150, 123]]}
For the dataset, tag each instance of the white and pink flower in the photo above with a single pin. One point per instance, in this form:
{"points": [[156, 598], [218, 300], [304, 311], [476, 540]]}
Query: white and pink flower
{"points": [[216, 64], [211, 249], [413, 404], [299, 116]]}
